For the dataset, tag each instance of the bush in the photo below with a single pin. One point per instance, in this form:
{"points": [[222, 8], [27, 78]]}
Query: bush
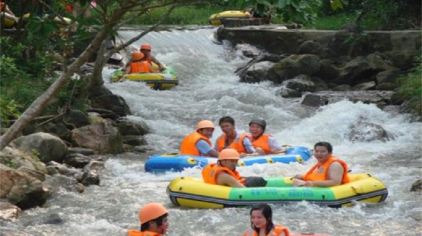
{"points": [[410, 88], [8, 111]]}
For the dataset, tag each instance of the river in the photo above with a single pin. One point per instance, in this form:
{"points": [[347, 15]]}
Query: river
{"points": [[209, 89]]}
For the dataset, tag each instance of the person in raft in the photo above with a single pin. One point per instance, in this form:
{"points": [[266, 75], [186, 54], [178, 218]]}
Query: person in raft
{"points": [[198, 143], [232, 139], [224, 171], [138, 64], [328, 171], [262, 223], [154, 221], [146, 50], [263, 143]]}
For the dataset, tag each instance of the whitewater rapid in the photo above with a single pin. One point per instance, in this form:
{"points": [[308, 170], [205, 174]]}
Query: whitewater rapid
{"points": [[209, 89]]}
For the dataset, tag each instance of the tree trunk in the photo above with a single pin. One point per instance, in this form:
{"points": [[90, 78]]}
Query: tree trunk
{"points": [[96, 79]]}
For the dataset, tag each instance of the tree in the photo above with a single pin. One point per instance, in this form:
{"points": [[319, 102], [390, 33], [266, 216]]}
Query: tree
{"points": [[104, 19]]}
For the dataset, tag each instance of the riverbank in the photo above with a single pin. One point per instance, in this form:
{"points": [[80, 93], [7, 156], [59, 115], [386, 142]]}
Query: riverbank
{"points": [[306, 61]]}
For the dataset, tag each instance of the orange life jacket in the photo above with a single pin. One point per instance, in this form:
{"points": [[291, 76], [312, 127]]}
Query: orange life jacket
{"points": [[211, 171], [140, 67], [188, 145], [133, 232], [236, 144], [318, 174], [262, 142], [276, 231]]}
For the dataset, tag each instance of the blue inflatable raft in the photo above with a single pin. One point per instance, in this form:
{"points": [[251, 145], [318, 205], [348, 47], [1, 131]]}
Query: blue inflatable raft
{"points": [[175, 162]]}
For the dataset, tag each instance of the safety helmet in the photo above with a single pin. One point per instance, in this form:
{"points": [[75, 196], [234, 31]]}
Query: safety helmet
{"points": [[259, 122], [228, 154], [204, 124], [146, 46], [151, 211], [137, 56]]}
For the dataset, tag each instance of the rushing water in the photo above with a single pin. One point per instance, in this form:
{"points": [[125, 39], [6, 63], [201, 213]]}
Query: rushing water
{"points": [[209, 89]]}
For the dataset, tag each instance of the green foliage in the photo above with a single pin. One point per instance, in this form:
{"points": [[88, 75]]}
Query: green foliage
{"points": [[180, 16], [8, 111], [332, 22], [373, 14], [410, 88], [9, 161]]}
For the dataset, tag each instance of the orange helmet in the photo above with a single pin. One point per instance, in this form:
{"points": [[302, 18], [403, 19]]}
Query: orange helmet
{"points": [[151, 211], [146, 46], [204, 124], [228, 154], [137, 56]]}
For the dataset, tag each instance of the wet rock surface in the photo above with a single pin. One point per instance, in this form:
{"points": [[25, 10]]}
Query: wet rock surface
{"points": [[380, 98]]}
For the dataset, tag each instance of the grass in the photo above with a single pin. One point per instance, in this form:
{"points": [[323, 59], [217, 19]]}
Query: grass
{"points": [[337, 21]]}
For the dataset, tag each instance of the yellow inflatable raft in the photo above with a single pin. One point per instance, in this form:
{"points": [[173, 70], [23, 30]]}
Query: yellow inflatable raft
{"points": [[8, 20], [193, 192], [160, 81], [215, 19]]}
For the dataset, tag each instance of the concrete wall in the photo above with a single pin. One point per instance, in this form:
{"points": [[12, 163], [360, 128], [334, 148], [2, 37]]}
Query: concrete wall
{"points": [[334, 43]]}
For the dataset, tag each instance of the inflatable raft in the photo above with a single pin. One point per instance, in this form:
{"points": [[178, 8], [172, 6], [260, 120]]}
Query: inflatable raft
{"points": [[160, 81], [215, 19], [175, 162], [8, 20], [193, 192]]}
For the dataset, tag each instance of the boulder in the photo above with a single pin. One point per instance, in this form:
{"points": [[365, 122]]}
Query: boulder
{"points": [[90, 178], [57, 182], [46, 146], [9, 211], [365, 86], [77, 160], [314, 100], [57, 128], [356, 71], [257, 72], [342, 87], [102, 137], [378, 62], [63, 169], [102, 113], [308, 64], [83, 151], [134, 140], [402, 59], [380, 98], [387, 76], [319, 84], [301, 83], [128, 127], [91, 173], [21, 189], [16, 159], [416, 186], [75, 119], [310, 47], [104, 99], [294, 65], [290, 93], [247, 50], [327, 71], [363, 131]]}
